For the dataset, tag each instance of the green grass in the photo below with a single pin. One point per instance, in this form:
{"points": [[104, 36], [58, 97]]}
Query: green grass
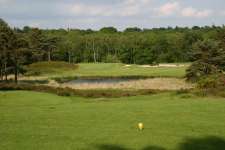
{"points": [[103, 70], [31, 120], [134, 70]]}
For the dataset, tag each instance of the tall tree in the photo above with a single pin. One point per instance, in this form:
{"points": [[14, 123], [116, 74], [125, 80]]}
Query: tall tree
{"points": [[49, 44], [35, 38], [6, 38], [20, 46]]}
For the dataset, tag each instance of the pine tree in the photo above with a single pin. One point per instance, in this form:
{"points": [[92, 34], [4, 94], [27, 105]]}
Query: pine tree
{"points": [[209, 58]]}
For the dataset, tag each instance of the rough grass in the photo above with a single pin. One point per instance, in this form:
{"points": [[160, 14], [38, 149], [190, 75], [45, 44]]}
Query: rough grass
{"points": [[90, 93], [55, 70], [30, 120], [153, 83]]}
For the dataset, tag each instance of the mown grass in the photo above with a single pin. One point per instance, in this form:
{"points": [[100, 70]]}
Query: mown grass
{"points": [[64, 70], [134, 70], [31, 120]]}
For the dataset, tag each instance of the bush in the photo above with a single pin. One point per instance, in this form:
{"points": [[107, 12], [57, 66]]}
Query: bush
{"points": [[200, 70], [211, 85], [212, 81]]}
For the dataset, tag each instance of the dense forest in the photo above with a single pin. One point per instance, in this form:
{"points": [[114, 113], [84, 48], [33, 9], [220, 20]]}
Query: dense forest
{"points": [[132, 46]]}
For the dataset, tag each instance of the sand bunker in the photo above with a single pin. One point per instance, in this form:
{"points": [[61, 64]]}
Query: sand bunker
{"points": [[162, 65]]}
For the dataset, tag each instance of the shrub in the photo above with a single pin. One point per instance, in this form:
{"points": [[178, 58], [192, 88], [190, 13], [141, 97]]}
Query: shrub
{"points": [[211, 85], [200, 70], [212, 81], [209, 58]]}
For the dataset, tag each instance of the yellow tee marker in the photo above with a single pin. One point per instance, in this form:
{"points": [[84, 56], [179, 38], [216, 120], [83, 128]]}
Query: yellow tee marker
{"points": [[140, 126]]}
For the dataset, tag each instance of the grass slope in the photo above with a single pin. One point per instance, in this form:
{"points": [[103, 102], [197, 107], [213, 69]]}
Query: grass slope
{"points": [[57, 69], [49, 68], [30, 120]]}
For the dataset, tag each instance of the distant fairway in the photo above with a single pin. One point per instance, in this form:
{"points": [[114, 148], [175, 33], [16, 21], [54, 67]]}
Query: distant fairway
{"points": [[30, 120], [126, 70], [104, 70]]}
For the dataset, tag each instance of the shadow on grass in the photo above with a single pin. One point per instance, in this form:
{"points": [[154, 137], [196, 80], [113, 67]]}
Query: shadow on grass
{"points": [[111, 147], [153, 148], [119, 147], [207, 143]]}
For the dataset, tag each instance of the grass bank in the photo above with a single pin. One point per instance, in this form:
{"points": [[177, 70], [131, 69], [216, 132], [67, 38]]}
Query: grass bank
{"points": [[50, 68]]}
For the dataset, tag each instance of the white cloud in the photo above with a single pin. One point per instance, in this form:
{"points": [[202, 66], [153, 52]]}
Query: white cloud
{"points": [[168, 9], [5, 2], [136, 2], [188, 12], [128, 11], [204, 13], [192, 12], [82, 9], [175, 8], [120, 13], [133, 7], [124, 9], [223, 13]]}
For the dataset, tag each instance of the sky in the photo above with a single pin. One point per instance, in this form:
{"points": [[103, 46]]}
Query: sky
{"points": [[95, 14]]}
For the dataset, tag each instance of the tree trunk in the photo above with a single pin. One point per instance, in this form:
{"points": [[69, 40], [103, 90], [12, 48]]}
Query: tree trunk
{"points": [[1, 74], [69, 57], [93, 48], [5, 71], [94, 56], [97, 56], [16, 74], [49, 55]]}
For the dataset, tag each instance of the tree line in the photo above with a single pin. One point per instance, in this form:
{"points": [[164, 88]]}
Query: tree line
{"points": [[24, 46]]}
